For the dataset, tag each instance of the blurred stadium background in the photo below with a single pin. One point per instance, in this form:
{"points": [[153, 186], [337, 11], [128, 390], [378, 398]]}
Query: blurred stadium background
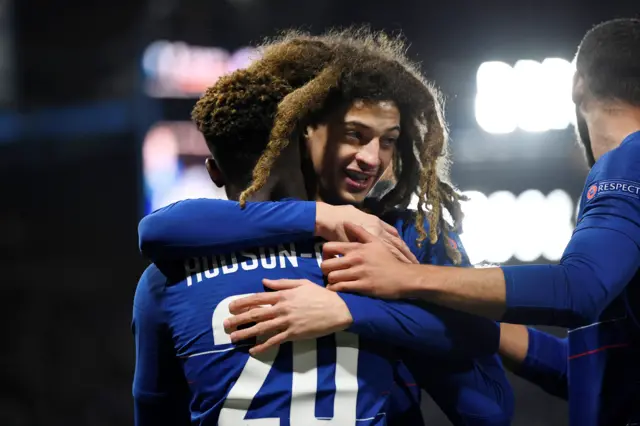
{"points": [[95, 100]]}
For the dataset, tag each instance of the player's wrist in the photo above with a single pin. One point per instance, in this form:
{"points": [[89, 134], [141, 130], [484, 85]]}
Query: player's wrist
{"points": [[514, 345], [323, 226], [344, 319], [326, 221], [420, 281]]}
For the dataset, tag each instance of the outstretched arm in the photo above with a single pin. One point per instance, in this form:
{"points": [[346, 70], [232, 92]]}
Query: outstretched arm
{"points": [[596, 266], [301, 309], [599, 261]]}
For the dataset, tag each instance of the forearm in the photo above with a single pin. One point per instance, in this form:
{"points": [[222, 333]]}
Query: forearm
{"points": [[514, 344], [475, 291], [208, 226], [545, 363], [570, 294], [427, 328]]}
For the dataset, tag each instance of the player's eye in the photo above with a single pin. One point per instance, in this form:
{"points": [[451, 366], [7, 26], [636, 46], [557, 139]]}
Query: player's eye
{"points": [[389, 142], [354, 135]]}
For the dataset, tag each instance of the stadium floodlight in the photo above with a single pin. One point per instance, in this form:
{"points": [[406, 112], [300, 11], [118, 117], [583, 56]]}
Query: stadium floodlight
{"points": [[502, 226], [495, 82], [533, 96]]}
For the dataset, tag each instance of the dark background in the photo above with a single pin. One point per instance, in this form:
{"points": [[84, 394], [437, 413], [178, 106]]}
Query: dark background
{"points": [[74, 115]]}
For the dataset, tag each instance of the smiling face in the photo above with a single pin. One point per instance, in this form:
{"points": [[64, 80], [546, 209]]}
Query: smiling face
{"points": [[352, 149]]}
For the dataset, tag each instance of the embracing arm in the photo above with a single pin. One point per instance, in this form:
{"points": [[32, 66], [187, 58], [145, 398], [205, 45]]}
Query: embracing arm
{"points": [[208, 226], [201, 227], [424, 327], [599, 261]]}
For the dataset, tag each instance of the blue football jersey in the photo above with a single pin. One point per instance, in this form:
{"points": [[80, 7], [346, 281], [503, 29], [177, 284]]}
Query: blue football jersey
{"points": [[208, 228], [338, 379], [604, 367], [594, 292]]}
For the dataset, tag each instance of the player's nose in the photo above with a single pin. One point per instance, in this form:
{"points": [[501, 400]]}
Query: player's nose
{"points": [[368, 156]]}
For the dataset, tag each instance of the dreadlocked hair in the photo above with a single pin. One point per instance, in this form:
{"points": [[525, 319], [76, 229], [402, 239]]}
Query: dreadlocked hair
{"points": [[340, 67], [307, 97]]}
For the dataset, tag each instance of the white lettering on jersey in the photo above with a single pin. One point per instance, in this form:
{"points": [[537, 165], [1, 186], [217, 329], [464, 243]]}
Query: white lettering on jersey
{"points": [[284, 256]]}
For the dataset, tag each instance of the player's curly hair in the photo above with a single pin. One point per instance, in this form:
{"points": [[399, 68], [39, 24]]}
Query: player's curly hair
{"points": [[300, 77], [235, 117]]}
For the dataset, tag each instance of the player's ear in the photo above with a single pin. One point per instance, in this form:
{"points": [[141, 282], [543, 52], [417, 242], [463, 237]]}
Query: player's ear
{"points": [[305, 133], [578, 89], [214, 172]]}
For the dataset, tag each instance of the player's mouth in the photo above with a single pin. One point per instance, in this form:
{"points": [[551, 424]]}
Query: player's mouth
{"points": [[358, 181]]}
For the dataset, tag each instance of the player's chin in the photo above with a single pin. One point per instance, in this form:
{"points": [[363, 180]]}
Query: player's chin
{"points": [[354, 198]]}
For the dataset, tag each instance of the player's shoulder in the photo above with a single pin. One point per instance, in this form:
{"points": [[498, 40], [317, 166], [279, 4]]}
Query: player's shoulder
{"points": [[622, 162], [404, 220], [401, 218], [150, 287]]}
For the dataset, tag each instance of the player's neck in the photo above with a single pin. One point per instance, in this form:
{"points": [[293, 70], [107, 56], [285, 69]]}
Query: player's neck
{"points": [[609, 124]]}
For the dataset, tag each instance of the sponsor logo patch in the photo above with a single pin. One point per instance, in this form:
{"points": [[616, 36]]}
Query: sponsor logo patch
{"points": [[621, 187]]}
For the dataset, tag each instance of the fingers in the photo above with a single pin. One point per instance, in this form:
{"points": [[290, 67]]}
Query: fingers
{"points": [[390, 229], [245, 303], [398, 254], [276, 340], [333, 249], [335, 264], [284, 284], [343, 275], [249, 317], [353, 286], [403, 253], [412, 258], [357, 233], [270, 327]]}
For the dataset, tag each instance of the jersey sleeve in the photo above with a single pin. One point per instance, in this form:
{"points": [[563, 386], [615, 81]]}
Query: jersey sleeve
{"points": [[424, 327], [595, 268], [612, 194], [159, 389], [470, 392], [546, 363], [601, 257], [204, 226]]}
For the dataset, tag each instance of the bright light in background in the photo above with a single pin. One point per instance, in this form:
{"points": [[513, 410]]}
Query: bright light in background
{"points": [[532, 96], [495, 97], [502, 226]]}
